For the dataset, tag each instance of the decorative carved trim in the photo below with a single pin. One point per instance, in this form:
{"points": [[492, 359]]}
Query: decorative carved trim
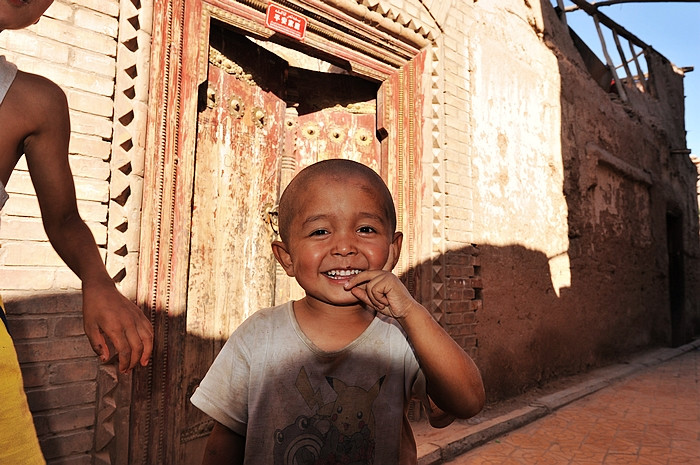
{"points": [[221, 61], [325, 31], [437, 181], [384, 16], [124, 222], [412, 88], [401, 136]]}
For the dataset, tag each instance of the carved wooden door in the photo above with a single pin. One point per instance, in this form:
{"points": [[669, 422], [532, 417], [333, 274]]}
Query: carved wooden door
{"points": [[260, 121], [236, 181]]}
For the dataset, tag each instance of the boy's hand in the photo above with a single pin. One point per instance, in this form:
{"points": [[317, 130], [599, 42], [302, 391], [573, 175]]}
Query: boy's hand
{"points": [[382, 290], [106, 312]]}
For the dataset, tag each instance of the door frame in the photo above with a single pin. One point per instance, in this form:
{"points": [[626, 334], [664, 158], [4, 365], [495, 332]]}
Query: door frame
{"points": [[179, 62]]}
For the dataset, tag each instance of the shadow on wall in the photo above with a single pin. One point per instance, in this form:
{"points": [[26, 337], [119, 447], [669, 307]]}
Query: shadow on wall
{"points": [[523, 335], [528, 336], [620, 299], [59, 369]]}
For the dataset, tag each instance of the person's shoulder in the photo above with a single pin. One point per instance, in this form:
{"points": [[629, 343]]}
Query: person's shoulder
{"points": [[264, 324], [39, 92], [40, 105], [270, 312], [268, 316]]}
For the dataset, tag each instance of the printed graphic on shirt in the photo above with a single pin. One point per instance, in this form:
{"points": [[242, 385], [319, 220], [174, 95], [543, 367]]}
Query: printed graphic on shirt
{"points": [[340, 432]]}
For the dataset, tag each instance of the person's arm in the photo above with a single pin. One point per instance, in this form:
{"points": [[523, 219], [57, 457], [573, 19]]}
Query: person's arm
{"points": [[106, 312], [224, 447], [452, 378]]}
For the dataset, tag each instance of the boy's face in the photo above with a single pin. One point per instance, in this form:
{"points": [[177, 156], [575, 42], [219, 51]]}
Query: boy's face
{"points": [[18, 14], [340, 229]]}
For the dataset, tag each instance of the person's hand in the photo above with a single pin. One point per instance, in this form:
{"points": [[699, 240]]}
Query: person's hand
{"points": [[382, 290], [107, 313]]}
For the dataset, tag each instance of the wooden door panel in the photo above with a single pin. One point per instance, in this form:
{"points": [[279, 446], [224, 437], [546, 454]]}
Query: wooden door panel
{"points": [[336, 118], [231, 267], [337, 133]]}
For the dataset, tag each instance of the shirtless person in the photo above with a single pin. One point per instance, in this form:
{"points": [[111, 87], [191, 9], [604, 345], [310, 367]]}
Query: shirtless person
{"points": [[34, 121]]}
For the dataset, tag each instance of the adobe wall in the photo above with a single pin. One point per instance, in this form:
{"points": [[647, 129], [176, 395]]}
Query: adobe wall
{"points": [[571, 190]]}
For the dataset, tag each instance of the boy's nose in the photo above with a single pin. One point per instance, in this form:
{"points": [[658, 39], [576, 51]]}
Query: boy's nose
{"points": [[344, 246], [344, 251]]}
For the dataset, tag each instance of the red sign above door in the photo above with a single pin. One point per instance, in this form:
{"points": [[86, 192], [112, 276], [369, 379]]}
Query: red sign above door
{"points": [[285, 21]]}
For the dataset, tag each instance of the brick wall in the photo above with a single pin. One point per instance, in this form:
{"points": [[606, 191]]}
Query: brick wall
{"points": [[74, 44], [461, 260]]}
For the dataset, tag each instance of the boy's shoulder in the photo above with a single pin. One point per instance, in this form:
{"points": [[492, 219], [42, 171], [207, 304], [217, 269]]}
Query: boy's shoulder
{"points": [[273, 311], [274, 316], [38, 90], [34, 105]]}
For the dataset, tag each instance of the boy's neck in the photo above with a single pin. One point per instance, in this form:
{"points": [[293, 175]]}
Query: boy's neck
{"points": [[330, 327]]}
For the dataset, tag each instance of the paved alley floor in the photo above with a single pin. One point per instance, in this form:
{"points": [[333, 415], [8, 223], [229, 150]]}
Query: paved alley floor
{"points": [[650, 417]]}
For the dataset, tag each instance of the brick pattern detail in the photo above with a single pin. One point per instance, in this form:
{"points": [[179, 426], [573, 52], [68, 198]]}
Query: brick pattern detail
{"points": [[128, 144], [437, 184], [126, 169], [455, 286], [410, 14], [460, 261]]}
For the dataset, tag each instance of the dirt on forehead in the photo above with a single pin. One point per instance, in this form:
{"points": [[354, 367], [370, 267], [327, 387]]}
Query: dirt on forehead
{"points": [[311, 182]]}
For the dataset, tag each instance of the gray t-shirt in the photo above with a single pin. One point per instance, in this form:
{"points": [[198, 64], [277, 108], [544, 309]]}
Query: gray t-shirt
{"points": [[295, 403]]}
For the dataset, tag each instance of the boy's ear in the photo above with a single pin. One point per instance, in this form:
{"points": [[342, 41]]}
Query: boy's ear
{"points": [[279, 249], [395, 251]]}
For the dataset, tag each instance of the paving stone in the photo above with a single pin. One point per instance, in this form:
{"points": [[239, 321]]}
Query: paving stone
{"points": [[646, 411]]}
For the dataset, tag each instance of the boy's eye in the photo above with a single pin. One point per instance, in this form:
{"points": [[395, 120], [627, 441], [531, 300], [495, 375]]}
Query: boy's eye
{"points": [[366, 229], [319, 232]]}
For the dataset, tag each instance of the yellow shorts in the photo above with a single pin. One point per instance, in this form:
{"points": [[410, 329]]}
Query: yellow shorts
{"points": [[18, 441]]}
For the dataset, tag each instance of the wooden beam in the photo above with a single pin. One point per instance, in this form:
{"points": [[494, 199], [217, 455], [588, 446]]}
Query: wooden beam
{"points": [[592, 10], [640, 72], [625, 65], [611, 65]]}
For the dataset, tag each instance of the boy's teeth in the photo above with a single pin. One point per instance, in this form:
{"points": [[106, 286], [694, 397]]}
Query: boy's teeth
{"points": [[342, 272]]}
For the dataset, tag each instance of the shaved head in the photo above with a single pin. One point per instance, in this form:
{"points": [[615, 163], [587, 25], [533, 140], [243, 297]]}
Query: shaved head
{"points": [[337, 170]]}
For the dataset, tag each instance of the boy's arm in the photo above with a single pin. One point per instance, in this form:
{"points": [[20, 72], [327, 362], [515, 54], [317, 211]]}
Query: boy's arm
{"points": [[106, 312], [452, 378], [224, 447]]}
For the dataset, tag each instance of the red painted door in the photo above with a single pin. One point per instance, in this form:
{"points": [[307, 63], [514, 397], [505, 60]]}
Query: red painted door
{"points": [[260, 121], [236, 181]]}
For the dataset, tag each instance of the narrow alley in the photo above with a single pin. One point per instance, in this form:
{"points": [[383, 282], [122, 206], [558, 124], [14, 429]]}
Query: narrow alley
{"points": [[650, 416]]}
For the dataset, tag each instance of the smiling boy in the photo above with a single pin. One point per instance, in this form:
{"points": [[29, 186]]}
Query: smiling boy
{"points": [[328, 379]]}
